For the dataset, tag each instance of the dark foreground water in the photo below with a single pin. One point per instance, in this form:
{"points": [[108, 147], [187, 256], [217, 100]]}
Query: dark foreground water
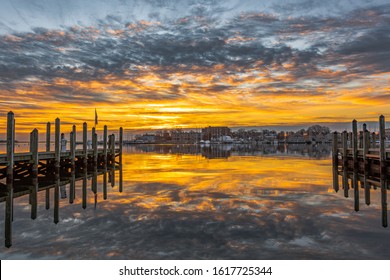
{"points": [[213, 203]]}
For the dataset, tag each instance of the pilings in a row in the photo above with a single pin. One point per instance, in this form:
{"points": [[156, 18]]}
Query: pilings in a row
{"points": [[364, 144], [34, 164]]}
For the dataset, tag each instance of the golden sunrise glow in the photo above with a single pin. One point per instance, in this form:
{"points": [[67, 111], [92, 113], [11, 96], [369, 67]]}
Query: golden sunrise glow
{"points": [[240, 101], [241, 180]]}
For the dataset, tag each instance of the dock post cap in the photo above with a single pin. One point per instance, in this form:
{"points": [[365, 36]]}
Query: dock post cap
{"points": [[10, 113]]}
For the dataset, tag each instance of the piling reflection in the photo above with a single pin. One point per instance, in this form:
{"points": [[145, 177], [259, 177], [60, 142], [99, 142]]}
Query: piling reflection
{"points": [[59, 180], [361, 179], [317, 151], [250, 205]]}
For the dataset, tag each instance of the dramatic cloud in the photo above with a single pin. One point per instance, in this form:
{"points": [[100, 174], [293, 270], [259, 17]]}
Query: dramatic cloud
{"points": [[159, 64]]}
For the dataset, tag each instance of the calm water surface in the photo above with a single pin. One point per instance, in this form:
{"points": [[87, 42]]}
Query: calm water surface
{"points": [[215, 203]]}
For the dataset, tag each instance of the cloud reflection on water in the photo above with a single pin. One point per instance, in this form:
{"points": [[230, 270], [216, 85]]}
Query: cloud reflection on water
{"points": [[189, 207]]}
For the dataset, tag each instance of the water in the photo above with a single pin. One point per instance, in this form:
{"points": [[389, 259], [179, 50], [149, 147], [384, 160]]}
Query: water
{"points": [[212, 203]]}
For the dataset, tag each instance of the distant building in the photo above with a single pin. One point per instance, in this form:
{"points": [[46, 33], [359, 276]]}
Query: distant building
{"points": [[296, 138], [215, 132], [185, 137], [387, 133], [145, 138]]}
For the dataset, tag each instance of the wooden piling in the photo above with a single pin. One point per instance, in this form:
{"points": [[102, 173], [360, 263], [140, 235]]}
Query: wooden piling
{"points": [[350, 138], [34, 151], [48, 137], [112, 149], [72, 186], [382, 159], [34, 173], [345, 163], [94, 146], [105, 182], [94, 185], [335, 162], [105, 145], [73, 146], [120, 174], [57, 147], [10, 177], [84, 191], [120, 142], [85, 143], [355, 164], [360, 140], [10, 146], [120, 159], [57, 196], [8, 217], [373, 136], [366, 143], [47, 201]]}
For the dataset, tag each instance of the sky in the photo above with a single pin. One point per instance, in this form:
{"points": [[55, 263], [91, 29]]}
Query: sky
{"points": [[159, 64]]}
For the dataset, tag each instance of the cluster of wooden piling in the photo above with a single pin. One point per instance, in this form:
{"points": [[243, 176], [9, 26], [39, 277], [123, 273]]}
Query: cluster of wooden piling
{"points": [[362, 162], [36, 167]]}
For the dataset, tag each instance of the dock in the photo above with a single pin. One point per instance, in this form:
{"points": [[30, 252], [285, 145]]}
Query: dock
{"points": [[362, 161], [31, 172]]}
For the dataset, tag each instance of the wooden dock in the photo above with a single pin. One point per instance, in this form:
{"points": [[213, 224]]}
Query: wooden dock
{"points": [[34, 171], [359, 160]]}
